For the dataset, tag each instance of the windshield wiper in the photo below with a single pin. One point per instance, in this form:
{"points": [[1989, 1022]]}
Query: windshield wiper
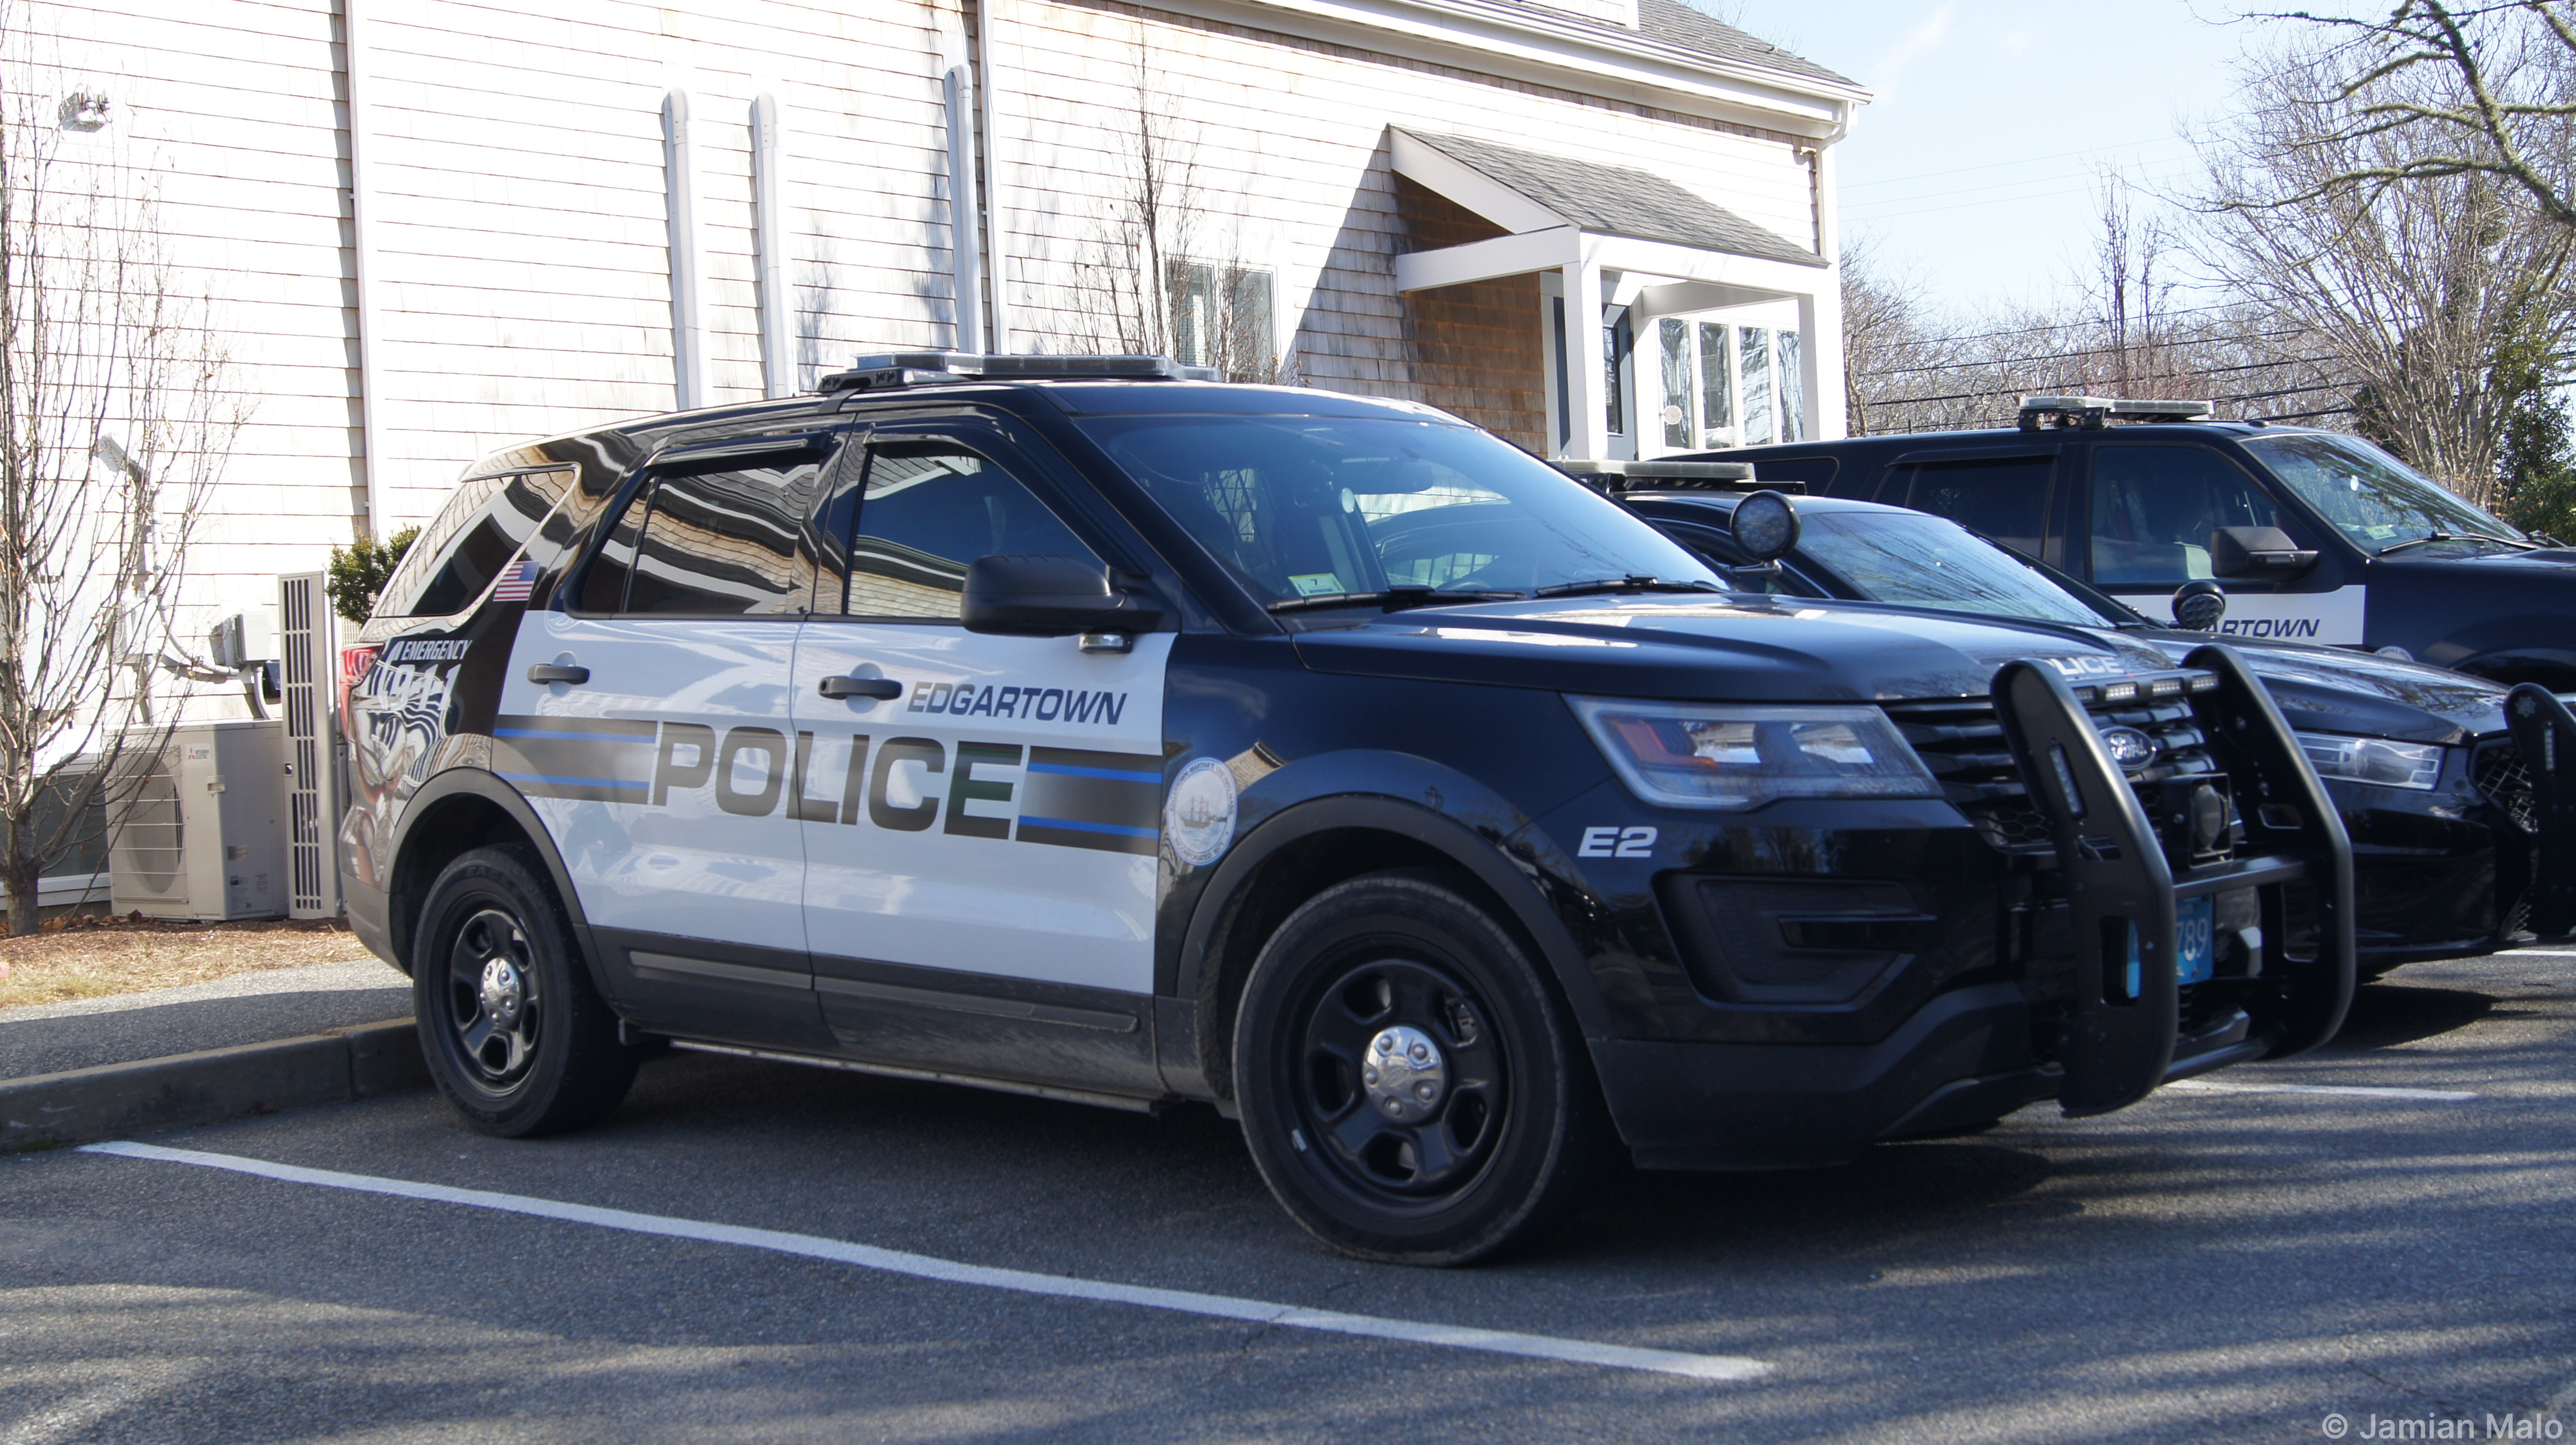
{"points": [[2451, 537], [1630, 583], [1396, 599]]}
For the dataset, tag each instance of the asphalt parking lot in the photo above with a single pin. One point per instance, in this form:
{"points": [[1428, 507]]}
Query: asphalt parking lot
{"points": [[2235, 1261]]}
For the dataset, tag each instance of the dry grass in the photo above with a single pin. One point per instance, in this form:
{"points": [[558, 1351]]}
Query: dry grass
{"points": [[86, 957]]}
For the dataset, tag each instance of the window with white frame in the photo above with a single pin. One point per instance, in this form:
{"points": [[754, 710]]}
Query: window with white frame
{"points": [[1726, 385], [1221, 317]]}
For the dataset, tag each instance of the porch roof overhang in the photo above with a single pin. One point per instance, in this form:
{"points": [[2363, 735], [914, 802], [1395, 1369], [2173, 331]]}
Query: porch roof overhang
{"points": [[1562, 212]]}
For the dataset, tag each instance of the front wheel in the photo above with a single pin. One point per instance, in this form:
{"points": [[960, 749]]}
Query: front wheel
{"points": [[1407, 1083], [515, 1034]]}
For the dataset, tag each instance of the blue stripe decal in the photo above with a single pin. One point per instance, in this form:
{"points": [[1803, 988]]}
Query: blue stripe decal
{"points": [[573, 782], [1112, 774], [572, 737], [1067, 824]]}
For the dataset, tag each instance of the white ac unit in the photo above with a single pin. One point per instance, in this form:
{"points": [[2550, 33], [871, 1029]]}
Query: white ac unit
{"points": [[201, 836]]}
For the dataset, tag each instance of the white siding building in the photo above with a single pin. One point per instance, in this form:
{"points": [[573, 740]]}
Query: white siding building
{"points": [[432, 228]]}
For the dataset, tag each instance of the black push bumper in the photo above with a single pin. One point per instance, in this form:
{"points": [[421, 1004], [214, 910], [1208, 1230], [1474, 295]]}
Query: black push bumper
{"points": [[2117, 1037], [2545, 732]]}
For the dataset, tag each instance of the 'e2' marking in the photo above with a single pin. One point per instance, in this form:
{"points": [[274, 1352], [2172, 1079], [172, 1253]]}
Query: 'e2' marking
{"points": [[1617, 843]]}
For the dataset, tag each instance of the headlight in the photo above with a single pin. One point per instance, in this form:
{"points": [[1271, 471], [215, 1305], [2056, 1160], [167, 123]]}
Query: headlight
{"points": [[2373, 760], [1722, 755]]}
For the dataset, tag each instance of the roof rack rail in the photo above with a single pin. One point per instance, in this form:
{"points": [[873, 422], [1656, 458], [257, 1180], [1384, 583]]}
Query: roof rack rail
{"points": [[2092, 413], [1621, 476], [925, 368]]}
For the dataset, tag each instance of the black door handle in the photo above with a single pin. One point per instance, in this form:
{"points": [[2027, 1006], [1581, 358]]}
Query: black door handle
{"points": [[880, 688], [557, 672]]}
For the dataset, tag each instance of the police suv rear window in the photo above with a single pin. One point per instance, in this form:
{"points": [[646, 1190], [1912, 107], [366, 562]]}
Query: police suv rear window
{"points": [[474, 536]]}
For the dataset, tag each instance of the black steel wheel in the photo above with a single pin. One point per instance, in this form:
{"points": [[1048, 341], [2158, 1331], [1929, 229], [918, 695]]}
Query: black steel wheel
{"points": [[515, 1034], [1407, 1083]]}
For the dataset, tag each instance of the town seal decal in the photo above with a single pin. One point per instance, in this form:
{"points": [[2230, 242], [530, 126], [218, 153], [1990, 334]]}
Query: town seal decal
{"points": [[1198, 814]]}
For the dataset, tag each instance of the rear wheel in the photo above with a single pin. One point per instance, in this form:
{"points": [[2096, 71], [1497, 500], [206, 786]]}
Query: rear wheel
{"points": [[515, 1034], [1408, 1085]]}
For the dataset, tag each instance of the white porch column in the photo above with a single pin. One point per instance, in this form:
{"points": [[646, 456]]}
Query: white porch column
{"points": [[1587, 399], [1820, 316]]}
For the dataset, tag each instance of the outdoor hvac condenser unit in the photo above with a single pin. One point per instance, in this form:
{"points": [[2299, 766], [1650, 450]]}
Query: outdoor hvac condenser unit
{"points": [[203, 837]]}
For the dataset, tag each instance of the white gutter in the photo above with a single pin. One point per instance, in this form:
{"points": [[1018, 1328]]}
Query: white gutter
{"points": [[680, 190], [965, 236], [997, 232], [362, 247], [769, 241]]}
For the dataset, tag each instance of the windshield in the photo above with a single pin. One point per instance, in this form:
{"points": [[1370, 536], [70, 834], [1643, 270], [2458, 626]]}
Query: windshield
{"points": [[1309, 509], [1925, 561], [2370, 496]]}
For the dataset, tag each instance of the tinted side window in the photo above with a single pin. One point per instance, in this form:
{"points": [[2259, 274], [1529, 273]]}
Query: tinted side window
{"points": [[2155, 508], [721, 543], [475, 535], [2006, 498], [1816, 472], [927, 511]]}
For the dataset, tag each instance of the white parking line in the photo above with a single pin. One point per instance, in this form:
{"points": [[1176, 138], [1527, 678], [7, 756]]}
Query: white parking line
{"points": [[923, 1266], [2356, 1091]]}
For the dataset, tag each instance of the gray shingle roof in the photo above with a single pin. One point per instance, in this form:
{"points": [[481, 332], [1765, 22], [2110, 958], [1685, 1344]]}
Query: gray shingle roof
{"points": [[1679, 24], [1675, 23], [1618, 201]]}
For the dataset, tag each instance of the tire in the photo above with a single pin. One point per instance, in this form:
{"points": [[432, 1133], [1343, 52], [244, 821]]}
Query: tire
{"points": [[1489, 1151], [518, 1039]]}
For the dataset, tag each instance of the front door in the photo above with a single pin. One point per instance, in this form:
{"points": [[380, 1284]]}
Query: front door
{"points": [[660, 756], [981, 813], [2155, 508]]}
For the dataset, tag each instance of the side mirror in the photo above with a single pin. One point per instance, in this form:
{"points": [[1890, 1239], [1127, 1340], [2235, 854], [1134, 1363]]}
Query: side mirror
{"points": [[1021, 596], [2198, 606], [2257, 552]]}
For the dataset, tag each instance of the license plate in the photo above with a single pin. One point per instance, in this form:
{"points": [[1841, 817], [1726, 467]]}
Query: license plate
{"points": [[2196, 938]]}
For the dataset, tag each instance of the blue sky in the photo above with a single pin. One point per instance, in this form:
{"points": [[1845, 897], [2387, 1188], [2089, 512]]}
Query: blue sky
{"points": [[1976, 166]]}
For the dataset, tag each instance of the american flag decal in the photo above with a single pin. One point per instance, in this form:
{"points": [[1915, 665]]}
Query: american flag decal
{"points": [[516, 582]]}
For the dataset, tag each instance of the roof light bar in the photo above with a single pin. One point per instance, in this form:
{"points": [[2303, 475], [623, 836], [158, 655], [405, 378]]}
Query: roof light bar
{"points": [[1623, 476], [917, 368], [2092, 413]]}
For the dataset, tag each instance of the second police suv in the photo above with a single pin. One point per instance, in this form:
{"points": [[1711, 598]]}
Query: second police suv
{"points": [[1059, 725]]}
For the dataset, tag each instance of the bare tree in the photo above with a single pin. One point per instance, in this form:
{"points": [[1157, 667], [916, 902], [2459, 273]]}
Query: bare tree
{"points": [[1885, 331], [2432, 297], [114, 421], [1162, 273], [2500, 102]]}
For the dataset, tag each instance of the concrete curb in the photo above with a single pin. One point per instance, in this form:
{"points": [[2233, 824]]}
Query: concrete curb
{"points": [[76, 1106]]}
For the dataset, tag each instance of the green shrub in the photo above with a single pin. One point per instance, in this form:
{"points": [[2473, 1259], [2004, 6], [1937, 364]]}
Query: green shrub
{"points": [[360, 570]]}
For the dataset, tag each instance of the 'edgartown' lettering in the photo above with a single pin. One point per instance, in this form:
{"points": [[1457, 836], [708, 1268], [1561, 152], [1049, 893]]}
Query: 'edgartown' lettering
{"points": [[1043, 704]]}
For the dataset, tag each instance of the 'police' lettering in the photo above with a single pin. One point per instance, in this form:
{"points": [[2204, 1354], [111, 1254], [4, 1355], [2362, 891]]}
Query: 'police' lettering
{"points": [[966, 787], [772, 747], [669, 772], [933, 759], [799, 806], [854, 783]]}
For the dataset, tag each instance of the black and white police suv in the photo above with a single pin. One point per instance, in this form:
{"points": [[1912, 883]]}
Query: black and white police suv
{"points": [[2438, 795], [2314, 536], [1058, 725]]}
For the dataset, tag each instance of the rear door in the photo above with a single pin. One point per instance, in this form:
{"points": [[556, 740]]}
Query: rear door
{"points": [[660, 754], [2007, 493], [982, 834]]}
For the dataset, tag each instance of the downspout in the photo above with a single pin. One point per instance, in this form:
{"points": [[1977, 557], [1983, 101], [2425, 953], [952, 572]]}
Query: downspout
{"points": [[983, 19], [680, 190], [769, 240], [965, 237], [362, 247]]}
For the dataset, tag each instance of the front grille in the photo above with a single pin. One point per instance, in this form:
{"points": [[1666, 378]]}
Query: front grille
{"points": [[1962, 742], [2501, 775]]}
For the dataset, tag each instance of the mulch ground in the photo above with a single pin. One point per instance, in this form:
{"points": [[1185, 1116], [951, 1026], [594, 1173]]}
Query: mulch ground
{"points": [[86, 957]]}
